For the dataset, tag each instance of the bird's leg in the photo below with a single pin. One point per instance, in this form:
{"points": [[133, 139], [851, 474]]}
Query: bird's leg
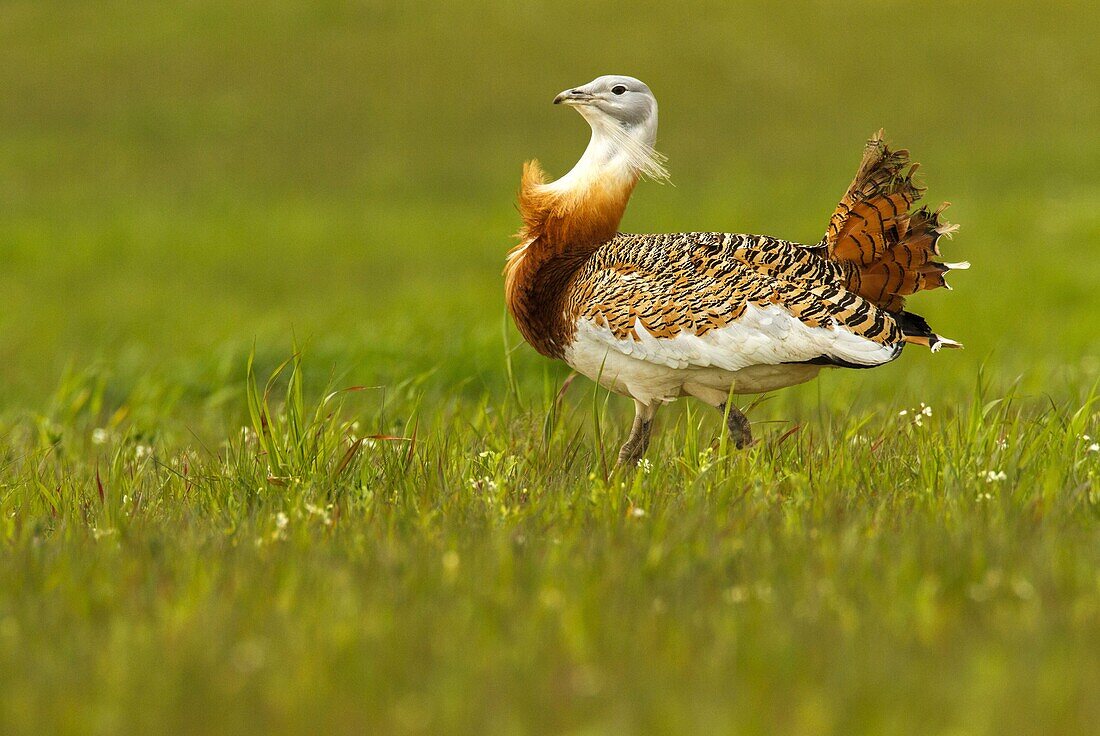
{"points": [[738, 425], [638, 440]]}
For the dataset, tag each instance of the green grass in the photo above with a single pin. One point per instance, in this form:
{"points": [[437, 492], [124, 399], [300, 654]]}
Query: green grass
{"points": [[200, 198]]}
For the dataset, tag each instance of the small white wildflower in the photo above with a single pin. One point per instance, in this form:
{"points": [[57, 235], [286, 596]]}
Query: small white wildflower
{"points": [[324, 513], [1085, 437], [918, 414], [142, 451], [100, 436], [281, 521], [644, 465], [1094, 447], [1002, 443], [637, 512], [484, 483], [484, 454], [992, 476], [985, 497]]}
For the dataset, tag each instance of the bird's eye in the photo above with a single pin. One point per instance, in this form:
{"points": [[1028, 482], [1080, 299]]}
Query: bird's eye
{"points": [[618, 89]]}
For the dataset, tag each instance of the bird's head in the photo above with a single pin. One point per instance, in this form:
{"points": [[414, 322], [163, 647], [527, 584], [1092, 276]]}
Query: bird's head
{"points": [[625, 101], [623, 114]]}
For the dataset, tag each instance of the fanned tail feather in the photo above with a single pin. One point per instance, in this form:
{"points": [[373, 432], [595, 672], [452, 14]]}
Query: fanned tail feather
{"points": [[886, 251]]}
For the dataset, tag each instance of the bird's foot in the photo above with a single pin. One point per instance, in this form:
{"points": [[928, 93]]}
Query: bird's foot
{"points": [[638, 441], [634, 448], [738, 425]]}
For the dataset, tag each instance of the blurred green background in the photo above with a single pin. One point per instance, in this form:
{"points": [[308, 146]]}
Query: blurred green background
{"points": [[180, 180], [182, 183]]}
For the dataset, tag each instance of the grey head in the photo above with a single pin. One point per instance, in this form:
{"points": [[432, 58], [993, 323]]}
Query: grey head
{"points": [[623, 114], [614, 98]]}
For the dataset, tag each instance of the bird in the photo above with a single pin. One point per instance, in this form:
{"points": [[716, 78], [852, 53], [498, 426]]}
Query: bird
{"points": [[657, 317]]}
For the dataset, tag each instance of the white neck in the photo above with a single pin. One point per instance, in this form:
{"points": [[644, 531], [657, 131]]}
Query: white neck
{"points": [[615, 154]]}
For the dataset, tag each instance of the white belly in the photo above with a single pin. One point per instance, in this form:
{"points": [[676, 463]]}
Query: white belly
{"points": [[765, 350], [650, 382]]}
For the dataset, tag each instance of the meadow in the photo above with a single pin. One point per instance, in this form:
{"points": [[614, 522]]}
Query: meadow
{"points": [[273, 458]]}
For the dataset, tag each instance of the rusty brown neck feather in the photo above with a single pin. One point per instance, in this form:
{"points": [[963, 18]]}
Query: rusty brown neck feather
{"points": [[561, 229]]}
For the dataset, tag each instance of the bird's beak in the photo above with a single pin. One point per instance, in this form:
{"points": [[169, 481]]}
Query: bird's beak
{"points": [[573, 97]]}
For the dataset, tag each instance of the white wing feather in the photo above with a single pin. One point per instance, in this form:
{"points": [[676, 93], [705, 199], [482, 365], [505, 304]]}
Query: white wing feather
{"points": [[762, 336]]}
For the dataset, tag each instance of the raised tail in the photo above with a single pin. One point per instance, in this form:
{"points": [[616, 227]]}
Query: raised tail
{"points": [[887, 251]]}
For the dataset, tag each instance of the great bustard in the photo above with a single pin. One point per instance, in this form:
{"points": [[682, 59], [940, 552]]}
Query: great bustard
{"points": [[657, 317]]}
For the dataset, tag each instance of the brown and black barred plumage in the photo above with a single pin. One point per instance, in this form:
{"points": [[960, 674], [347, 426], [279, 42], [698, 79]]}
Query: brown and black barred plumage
{"points": [[707, 314]]}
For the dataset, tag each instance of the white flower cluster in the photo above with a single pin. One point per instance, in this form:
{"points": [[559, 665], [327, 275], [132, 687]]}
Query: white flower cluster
{"points": [[483, 483], [325, 513], [496, 468], [918, 414], [183, 459], [282, 521]]}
